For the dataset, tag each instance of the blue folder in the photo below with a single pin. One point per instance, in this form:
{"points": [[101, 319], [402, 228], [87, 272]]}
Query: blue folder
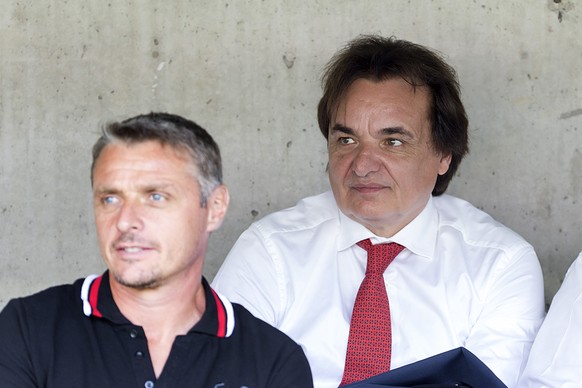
{"points": [[454, 368]]}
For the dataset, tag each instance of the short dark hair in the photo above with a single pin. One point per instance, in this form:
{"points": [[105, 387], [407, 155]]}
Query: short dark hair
{"points": [[377, 58], [175, 131]]}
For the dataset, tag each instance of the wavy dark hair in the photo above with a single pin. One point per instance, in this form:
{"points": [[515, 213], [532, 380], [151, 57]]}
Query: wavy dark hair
{"points": [[377, 58]]}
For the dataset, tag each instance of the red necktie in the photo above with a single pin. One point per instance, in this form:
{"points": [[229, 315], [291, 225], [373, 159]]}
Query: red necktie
{"points": [[370, 340]]}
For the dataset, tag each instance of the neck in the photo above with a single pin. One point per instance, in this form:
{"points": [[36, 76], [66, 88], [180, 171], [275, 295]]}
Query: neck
{"points": [[163, 306], [163, 312]]}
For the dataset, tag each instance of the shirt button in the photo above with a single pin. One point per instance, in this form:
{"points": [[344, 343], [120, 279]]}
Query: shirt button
{"points": [[139, 354], [133, 333], [149, 384]]}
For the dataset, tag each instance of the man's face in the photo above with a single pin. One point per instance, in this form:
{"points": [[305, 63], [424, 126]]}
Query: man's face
{"points": [[150, 225], [382, 166]]}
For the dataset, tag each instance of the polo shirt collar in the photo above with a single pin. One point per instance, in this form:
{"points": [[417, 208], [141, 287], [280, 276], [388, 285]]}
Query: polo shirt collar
{"points": [[217, 320], [419, 236], [98, 300]]}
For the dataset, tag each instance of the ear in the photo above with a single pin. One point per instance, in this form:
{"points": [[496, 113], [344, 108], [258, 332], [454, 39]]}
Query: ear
{"points": [[217, 206], [444, 164]]}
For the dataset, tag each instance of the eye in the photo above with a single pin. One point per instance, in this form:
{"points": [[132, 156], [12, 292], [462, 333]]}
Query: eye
{"points": [[346, 140], [109, 200], [157, 197], [394, 142]]}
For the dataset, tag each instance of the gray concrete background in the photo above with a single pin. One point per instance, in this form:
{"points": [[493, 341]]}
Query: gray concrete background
{"points": [[249, 72]]}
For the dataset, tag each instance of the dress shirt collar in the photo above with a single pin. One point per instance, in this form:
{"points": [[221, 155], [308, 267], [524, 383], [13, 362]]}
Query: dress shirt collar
{"points": [[419, 236]]}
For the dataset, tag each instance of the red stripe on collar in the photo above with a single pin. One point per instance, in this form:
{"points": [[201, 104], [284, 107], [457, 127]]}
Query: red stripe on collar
{"points": [[221, 312], [94, 296]]}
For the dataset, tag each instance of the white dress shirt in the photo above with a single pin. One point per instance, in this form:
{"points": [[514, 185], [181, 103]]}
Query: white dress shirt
{"points": [[556, 356], [463, 280]]}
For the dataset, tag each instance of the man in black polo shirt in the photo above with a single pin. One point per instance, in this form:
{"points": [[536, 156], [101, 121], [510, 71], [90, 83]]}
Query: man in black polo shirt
{"points": [[151, 320]]}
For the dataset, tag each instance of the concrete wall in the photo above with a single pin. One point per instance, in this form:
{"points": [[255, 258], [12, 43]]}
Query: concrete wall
{"points": [[249, 72]]}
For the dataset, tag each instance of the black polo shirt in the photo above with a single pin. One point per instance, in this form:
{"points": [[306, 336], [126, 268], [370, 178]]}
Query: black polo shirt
{"points": [[75, 336]]}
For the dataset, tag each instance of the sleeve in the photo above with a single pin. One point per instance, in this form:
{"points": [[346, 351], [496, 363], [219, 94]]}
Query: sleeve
{"points": [[16, 367], [250, 276], [512, 314], [556, 355]]}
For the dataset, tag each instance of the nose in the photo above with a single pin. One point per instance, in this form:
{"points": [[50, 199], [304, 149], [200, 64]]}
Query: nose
{"points": [[129, 218], [366, 160]]}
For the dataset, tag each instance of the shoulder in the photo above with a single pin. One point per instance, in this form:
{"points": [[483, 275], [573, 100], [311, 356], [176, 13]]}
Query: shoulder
{"points": [[574, 273], [258, 337], [477, 227], [566, 306], [30, 326], [308, 213], [282, 359], [51, 301], [38, 317], [255, 329], [570, 291], [555, 354]]}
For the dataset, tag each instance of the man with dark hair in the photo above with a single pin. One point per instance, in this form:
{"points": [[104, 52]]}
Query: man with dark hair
{"points": [[151, 319], [386, 269]]}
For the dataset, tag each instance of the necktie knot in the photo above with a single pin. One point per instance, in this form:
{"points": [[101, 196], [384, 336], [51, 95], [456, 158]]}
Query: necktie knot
{"points": [[379, 256]]}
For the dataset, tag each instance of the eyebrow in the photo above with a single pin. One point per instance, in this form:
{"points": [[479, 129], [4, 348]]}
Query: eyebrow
{"points": [[341, 128], [148, 188], [102, 190], [384, 131]]}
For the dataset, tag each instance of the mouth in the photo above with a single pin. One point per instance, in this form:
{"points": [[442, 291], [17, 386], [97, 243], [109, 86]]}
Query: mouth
{"points": [[131, 249], [128, 250], [368, 189]]}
